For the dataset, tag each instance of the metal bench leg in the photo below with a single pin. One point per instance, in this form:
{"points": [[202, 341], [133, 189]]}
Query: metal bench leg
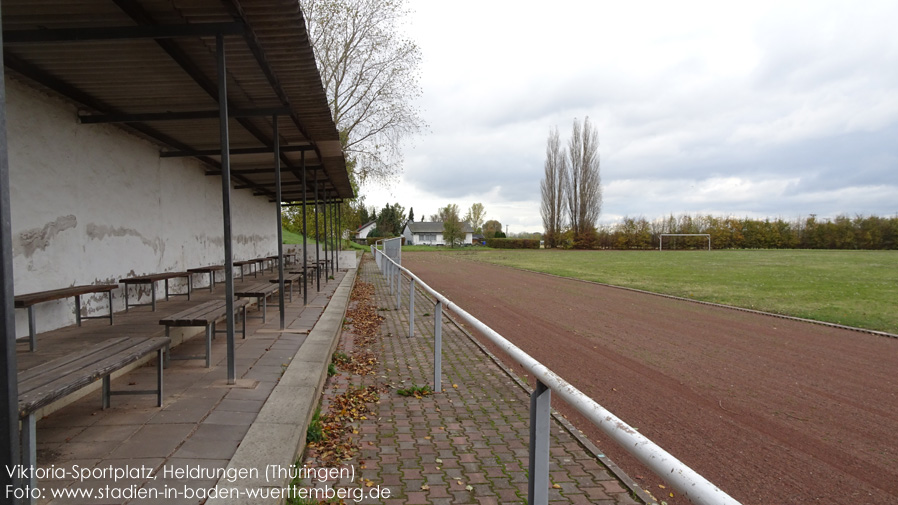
{"points": [[106, 392], [153, 295], [210, 330], [32, 329], [110, 307], [29, 450], [264, 307], [212, 281], [244, 321], [166, 289], [126, 298], [78, 309], [159, 359]]}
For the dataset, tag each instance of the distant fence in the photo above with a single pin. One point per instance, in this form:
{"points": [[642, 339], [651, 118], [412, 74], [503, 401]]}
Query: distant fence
{"points": [[679, 476]]}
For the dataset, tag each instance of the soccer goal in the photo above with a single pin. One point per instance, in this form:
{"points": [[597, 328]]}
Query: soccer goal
{"points": [[661, 238]]}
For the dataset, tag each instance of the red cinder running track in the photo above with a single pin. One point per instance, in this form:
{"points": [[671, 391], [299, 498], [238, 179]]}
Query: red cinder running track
{"points": [[770, 410]]}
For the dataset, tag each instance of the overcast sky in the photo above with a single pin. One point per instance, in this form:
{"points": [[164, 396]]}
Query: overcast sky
{"points": [[753, 108]]}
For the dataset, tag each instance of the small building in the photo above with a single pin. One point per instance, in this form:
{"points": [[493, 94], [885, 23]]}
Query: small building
{"points": [[431, 233], [362, 233]]}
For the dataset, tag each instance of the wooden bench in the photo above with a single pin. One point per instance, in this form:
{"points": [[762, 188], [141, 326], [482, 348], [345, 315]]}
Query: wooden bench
{"points": [[205, 314], [289, 280], [261, 263], [260, 291], [208, 270], [48, 382], [152, 279], [250, 263], [30, 300]]}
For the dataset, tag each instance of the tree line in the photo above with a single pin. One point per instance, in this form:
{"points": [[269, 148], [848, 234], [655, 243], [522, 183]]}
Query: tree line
{"points": [[841, 232]]}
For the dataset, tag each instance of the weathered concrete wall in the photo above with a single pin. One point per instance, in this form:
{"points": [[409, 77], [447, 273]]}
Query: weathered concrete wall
{"points": [[92, 204]]}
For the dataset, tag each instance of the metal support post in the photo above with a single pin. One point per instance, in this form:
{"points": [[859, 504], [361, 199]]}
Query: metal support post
{"points": [[411, 308], [339, 232], [398, 287], [226, 204], [540, 417], [305, 255], [317, 238], [326, 237], [438, 347], [9, 390], [277, 183]]}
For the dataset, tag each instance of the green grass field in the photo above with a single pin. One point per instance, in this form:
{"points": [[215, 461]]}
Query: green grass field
{"points": [[854, 288]]}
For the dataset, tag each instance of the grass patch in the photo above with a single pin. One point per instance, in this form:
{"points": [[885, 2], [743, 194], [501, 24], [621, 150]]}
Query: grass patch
{"points": [[315, 431], [416, 391], [854, 288]]}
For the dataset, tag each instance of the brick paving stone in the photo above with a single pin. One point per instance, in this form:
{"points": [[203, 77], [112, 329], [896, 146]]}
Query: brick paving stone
{"points": [[466, 444]]}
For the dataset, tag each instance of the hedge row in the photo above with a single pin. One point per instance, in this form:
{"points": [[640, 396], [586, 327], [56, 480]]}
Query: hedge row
{"points": [[512, 243]]}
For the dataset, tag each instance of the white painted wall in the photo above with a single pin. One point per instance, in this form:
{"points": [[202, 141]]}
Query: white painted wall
{"points": [[92, 204]]}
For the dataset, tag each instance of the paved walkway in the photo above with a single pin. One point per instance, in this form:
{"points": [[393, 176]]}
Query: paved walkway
{"points": [[466, 445]]}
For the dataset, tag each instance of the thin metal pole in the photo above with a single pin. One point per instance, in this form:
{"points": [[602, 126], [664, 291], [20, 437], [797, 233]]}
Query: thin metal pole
{"points": [[398, 288], [226, 203], [334, 238], [305, 255], [9, 392], [339, 232], [326, 237], [540, 412], [438, 347], [277, 183], [411, 308], [317, 240]]}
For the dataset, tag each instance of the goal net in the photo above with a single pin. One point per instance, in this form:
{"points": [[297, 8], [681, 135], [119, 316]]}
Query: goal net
{"points": [[661, 238]]}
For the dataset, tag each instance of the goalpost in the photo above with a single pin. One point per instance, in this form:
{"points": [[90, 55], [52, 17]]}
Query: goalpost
{"points": [[661, 238]]}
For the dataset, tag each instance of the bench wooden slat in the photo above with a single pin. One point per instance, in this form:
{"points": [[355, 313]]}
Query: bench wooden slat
{"points": [[23, 301], [205, 270], [202, 314], [259, 289], [90, 365], [139, 279]]}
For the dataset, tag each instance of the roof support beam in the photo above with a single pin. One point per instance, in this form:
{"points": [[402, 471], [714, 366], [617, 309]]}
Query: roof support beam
{"points": [[136, 12], [250, 171], [123, 33], [175, 116], [238, 151]]}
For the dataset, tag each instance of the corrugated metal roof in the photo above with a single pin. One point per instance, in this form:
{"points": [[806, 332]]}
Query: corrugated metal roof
{"points": [[72, 48]]}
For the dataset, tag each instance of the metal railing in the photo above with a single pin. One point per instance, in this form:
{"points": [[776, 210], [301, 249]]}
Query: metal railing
{"points": [[679, 476]]}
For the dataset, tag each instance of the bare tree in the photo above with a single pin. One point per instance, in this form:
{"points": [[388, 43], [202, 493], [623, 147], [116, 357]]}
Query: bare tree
{"points": [[370, 73], [584, 183], [554, 187], [475, 217]]}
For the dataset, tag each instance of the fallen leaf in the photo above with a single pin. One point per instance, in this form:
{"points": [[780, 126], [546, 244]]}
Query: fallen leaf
{"points": [[556, 486]]}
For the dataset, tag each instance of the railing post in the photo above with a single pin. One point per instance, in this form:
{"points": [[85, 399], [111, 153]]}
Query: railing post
{"points": [[540, 411], [390, 275], [438, 347], [398, 287], [411, 308]]}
